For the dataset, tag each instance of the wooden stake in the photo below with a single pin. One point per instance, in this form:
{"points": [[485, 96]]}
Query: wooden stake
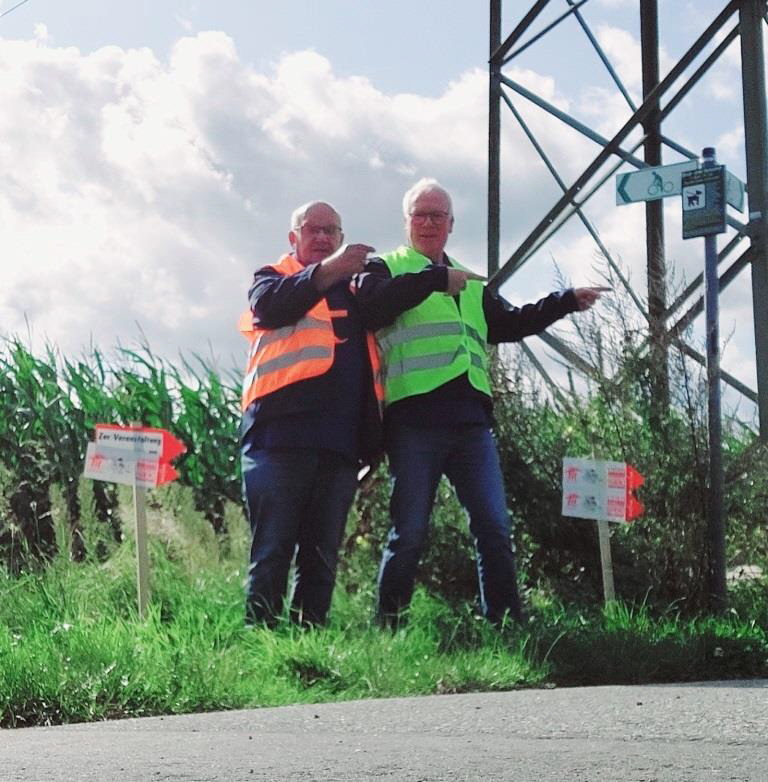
{"points": [[606, 563], [142, 552]]}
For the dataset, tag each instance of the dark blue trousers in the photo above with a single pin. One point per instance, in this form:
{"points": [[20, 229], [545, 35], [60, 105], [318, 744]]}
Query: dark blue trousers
{"points": [[297, 501], [467, 456]]}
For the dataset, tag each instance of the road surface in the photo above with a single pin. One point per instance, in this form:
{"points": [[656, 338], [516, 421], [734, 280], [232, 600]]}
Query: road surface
{"points": [[660, 733]]}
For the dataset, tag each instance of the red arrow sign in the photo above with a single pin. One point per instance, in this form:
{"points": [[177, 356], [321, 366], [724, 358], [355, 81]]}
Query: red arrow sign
{"points": [[635, 508], [172, 446], [166, 473]]}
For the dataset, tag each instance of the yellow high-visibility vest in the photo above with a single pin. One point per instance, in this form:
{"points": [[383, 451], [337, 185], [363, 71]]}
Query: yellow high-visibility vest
{"points": [[435, 341]]}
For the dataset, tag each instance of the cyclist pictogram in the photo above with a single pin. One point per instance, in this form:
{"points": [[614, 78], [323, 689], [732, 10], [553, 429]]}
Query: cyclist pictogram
{"points": [[658, 186]]}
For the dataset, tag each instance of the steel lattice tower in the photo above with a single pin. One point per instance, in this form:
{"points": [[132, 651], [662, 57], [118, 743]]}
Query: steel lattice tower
{"points": [[742, 19]]}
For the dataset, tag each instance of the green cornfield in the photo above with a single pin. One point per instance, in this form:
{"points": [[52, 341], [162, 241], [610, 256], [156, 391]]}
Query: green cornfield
{"points": [[49, 406]]}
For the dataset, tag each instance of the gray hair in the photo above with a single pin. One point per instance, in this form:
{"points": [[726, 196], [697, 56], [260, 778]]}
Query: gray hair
{"points": [[425, 185], [298, 215]]}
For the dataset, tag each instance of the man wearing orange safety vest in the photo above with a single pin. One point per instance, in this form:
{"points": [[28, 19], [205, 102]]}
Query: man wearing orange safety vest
{"points": [[310, 415]]}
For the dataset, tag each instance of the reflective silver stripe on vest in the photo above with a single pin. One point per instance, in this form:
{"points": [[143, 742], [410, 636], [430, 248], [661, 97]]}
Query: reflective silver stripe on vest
{"points": [[432, 361], [477, 361], [285, 361], [398, 336], [275, 335], [475, 334]]}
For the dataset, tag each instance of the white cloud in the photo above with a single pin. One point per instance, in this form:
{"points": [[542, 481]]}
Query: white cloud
{"points": [[41, 33], [147, 190], [111, 195], [730, 146], [623, 50], [144, 191], [184, 23]]}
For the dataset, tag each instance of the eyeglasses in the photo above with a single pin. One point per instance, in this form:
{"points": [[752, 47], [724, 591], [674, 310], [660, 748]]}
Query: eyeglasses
{"points": [[437, 218], [316, 230]]}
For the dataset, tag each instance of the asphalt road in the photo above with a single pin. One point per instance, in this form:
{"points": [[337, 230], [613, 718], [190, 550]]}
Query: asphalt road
{"points": [[662, 733]]}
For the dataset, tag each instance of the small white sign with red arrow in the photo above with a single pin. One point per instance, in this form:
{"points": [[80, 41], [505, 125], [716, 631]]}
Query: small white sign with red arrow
{"points": [[601, 490], [137, 456]]}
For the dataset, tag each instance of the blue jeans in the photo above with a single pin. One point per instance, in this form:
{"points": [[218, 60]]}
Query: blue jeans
{"points": [[467, 456], [297, 501]]}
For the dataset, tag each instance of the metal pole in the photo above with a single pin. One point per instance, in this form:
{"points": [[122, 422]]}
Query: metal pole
{"points": [[654, 212], [715, 521], [494, 138], [751, 16]]}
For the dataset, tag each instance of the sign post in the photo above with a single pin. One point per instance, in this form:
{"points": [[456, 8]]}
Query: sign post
{"points": [[606, 561], [704, 199], [139, 457], [603, 491], [704, 191], [142, 550]]}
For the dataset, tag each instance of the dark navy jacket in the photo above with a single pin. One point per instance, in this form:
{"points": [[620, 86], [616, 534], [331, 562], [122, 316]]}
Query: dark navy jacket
{"points": [[382, 298], [336, 411]]}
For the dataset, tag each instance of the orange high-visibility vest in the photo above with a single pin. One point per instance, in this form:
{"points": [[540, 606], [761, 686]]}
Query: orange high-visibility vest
{"points": [[299, 351]]}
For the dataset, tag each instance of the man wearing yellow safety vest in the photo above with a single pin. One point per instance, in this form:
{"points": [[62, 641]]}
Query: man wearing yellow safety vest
{"points": [[433, 319], [310, 414]]}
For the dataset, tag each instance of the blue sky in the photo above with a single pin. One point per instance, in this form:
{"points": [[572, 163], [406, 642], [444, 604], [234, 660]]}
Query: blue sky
{"points": [[153, 151], [405, 46]]}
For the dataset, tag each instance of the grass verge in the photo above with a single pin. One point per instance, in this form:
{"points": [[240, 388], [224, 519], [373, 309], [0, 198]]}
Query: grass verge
{"points": [[72, 648]]}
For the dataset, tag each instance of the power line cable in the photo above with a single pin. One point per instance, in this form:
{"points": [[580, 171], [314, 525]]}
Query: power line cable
{"points": [[5, 13]]}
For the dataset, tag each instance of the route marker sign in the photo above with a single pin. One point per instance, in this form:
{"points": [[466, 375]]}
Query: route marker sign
{"points": [[650, 184], [145, 441], [127, 469], [139, 456], [600, 490]]}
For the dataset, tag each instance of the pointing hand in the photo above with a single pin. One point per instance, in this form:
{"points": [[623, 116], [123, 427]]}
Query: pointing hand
{"points": [[586, 297], [457, 280], [347, 261]]}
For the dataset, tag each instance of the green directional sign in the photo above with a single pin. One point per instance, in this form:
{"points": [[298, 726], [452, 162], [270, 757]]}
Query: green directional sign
{"points": [[650, 184]]}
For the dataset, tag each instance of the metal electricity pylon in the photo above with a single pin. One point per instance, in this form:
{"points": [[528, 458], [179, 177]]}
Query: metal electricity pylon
{"points": [[743, 19]]}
